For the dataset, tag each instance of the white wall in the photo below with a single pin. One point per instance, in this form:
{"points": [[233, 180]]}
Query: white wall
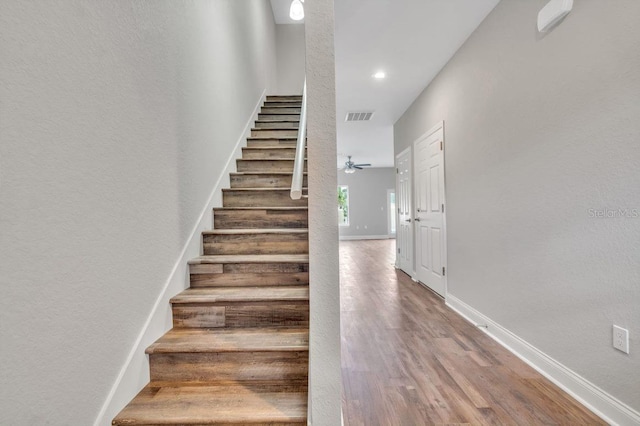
{"points": [[539, 129], [290, 47], [325, 387], [116, 119], [368, 208]]}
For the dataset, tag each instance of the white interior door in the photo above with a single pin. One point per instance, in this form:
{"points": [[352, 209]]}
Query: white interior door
{"points": [[429, 214], [404, 228]]}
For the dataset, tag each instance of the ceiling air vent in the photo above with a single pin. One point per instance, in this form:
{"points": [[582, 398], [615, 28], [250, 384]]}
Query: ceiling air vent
{"points": [[359, 116]]}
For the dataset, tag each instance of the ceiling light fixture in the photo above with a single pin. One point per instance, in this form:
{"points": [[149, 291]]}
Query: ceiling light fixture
{"points": [[379, 75], [296, 12], [351, 167], [553, 13]]}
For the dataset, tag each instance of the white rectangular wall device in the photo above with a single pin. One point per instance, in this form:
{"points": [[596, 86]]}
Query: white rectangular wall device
{"points": [[552, 13]]}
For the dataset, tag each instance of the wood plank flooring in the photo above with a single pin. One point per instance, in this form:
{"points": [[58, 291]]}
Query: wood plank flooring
{"points": [[407, 359]]}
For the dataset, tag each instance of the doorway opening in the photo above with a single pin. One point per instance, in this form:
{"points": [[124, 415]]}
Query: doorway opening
{"points": [[391, 215]]}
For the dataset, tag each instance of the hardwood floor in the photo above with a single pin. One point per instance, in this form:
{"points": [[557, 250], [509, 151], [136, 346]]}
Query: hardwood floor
{"points": [[407, 359]]}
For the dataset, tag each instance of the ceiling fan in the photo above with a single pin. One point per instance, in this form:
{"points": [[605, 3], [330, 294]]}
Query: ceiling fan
{"points": [[350, 166]]}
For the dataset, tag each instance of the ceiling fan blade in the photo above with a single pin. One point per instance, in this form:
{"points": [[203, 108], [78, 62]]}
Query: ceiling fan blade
{"points": [[355, 166], [364, 165]]}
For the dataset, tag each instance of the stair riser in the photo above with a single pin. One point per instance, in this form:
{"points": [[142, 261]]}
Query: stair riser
{"points": [[256, 244], [270, 142], [291, 104], [249, 279], [264, 181], [229, 366], [297, 247], [279, 110], [240, 219], [267, 153], [285, 166], [274, 133], [276, 124], [291, 117], [263, 198], [274, 98], [239, 315], [249, 274]]}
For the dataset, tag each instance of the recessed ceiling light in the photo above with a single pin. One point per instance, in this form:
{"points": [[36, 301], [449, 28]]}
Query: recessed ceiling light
{"points": [[379, 75]]}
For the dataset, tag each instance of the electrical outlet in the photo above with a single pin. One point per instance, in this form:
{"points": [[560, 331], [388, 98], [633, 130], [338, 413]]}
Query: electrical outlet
{"points": [[621, 339]]}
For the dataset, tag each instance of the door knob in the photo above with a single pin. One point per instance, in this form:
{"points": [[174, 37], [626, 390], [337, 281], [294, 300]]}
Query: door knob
{"points": [[417, 219], [408, 220]]}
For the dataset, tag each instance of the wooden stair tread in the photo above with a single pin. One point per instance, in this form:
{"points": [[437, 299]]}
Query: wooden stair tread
{"points": [[277, 121], [283, 104], [280, 113], [256, 231], [265, 148], [268, 159], [270, 146], [242, 294], [258, 189], [262, 173], [198, 340], [210, 405], [251, 258], [274, 385], [291, 138], [270, 109], [274, 128], [286, 208], [267, 167]]}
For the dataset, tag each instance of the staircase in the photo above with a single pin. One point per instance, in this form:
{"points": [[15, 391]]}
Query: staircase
{"points": [[238, 350]]}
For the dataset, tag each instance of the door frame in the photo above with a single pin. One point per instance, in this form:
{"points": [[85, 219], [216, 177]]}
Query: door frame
{"points": [[407, 151], [439, 126]]}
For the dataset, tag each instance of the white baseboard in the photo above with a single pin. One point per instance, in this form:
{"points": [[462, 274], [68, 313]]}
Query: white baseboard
{"points": [[601, 403], [365, 237], [134, 374]]}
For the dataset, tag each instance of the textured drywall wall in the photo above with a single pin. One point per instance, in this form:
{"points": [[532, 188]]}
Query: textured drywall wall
{"points": [[115, 121], [541, 135], [368, 208], [325, 387], [291, 58]]}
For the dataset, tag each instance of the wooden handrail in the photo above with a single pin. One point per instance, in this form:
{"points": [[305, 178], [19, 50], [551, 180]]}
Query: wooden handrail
{"points": [[298, 165]]}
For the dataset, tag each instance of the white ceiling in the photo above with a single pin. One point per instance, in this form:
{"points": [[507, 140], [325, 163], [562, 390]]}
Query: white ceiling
{"points": [[410, 40]]}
